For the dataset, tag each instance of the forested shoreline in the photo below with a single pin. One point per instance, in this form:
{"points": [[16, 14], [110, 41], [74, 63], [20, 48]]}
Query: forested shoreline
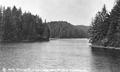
{"points": [[16, 26], [105, 27]]}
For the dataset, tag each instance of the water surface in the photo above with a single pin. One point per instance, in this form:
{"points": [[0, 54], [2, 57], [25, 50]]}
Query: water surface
{"points": [[59, 54]]}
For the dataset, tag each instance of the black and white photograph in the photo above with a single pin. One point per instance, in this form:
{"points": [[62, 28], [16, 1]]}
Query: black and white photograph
{"points": [[59, 35]]}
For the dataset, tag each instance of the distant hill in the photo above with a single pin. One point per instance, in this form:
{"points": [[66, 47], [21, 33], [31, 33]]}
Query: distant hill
{"points": [[62, 29], [84, 29]]}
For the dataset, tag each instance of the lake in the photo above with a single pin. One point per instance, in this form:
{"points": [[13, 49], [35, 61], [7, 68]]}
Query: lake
{"points": [[67, 54]]}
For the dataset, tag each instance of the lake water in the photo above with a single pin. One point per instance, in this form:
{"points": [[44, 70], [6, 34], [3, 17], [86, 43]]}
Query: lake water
{"points": [[67, 54]]}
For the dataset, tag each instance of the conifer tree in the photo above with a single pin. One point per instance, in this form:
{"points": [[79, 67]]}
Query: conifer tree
{"points": [[114, 28], [1, 26], [8, 34], [98, 30]]}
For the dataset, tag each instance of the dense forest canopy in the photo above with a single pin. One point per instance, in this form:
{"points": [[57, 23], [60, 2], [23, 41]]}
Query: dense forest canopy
{"points": [[18, 26], [63, 29], [105, 28]]}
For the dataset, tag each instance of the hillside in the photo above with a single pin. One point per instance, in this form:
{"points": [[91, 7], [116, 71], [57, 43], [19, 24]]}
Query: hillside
{"points": [[84, 29], [62, 29]]}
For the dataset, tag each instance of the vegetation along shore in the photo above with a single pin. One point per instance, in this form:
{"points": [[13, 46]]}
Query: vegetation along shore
{"points": [[105, 28], [18, 26]]}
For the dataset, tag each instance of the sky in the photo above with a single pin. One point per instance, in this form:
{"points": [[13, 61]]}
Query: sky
{"points": [[76, 12]]}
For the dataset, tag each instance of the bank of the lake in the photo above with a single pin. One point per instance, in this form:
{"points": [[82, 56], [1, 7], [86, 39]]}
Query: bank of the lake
{"points": [[105, 47]]}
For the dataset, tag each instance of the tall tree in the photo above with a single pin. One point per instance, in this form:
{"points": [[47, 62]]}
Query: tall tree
{"points": [[98, 29], [1, 26], [114, 28], [7, 24]]}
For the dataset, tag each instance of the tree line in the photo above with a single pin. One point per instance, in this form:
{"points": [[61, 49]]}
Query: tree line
{"points": [[18, 26], [105, 27], [63, 29]]}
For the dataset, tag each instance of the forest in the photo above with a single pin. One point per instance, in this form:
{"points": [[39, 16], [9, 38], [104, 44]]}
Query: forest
{"points": [[105, 27], [16, 26], [63, 29]]}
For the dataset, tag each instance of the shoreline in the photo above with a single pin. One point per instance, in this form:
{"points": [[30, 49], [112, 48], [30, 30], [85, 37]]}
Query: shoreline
{"points": [[24, 41], [32, 41], [103, 47]]}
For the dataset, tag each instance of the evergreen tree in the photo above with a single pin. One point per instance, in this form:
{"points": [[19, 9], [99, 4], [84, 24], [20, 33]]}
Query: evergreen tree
{"points": [[98, 29], [7, 24], [1, 26], [114, 28]]}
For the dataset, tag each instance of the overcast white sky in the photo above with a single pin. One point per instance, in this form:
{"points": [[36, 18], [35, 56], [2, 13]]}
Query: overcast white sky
{"points": [[77, 12]]}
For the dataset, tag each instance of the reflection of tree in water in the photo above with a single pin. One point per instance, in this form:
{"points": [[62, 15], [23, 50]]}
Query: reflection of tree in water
{"points": [[104, 60]]}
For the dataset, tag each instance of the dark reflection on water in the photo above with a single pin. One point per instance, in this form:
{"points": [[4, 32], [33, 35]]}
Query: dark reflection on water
{"points": [[106, 60], [59, 54]]}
